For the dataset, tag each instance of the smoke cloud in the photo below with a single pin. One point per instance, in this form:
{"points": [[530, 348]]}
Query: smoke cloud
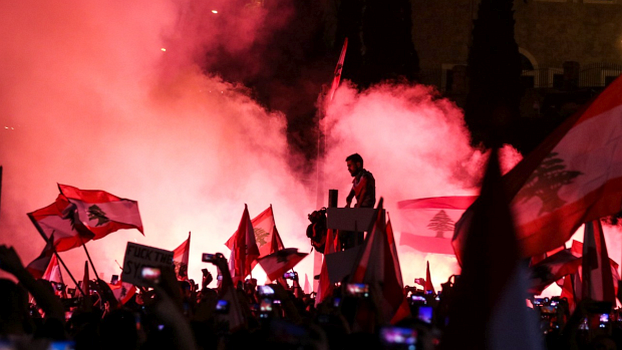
{"points": [[112, 96]]}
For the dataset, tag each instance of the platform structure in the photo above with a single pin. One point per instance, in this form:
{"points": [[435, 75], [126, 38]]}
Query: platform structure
{"points": [[353, 221]]}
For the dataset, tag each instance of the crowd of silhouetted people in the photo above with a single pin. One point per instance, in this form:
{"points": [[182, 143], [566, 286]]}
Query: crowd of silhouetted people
{"points": [[169, 313]]}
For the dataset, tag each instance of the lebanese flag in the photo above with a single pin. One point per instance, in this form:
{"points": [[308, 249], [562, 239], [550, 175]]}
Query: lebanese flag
{"points": [[553, 268], [266, 235], [577, 250], [39, 265], [338, 69], [568, 290], [60, 219], [429, 287], [596, 278], [325, 287], [307, 287], [378, 266], [428, 223], [101, 212], [52, 273], [493, 277], [244, 250], [574, 176], [276, 264], [122, 291], [396, 263], [181, 255]]}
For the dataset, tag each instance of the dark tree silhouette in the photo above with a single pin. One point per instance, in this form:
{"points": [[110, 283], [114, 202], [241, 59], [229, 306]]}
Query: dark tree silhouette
{"points": [[441, 223], [546, 181], [95, 212], [380, 45], [494, 69]]}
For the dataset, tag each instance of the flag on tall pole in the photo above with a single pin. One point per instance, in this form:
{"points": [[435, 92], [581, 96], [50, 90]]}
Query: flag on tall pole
{"points": [[338, 69], [52, 272], [493, 278], [60, 220], [574, 176], [276, 264], [375, 267], [325, 288], [39, 265], [244, 250], [428, 287], [596, 277], [181, 256], [101, 212], [266, 235]]}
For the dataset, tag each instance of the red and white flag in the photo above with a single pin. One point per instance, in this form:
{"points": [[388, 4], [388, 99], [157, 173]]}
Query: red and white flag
{"points": [[574, 176], [577, 250], [101, 212], [376, 267], [276, 264], [493, 277], [553, 268], [338, 69], [60, 219], [38, 266], [266, 235], [52, 273], [244, 250], [428, 223], [429, 287], [181, 255], [122, 291], [596, 278], [325, 287], [307, 286], [569, 290]]}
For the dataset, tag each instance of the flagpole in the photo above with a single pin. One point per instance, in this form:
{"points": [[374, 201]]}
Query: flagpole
{"points": [[66, 269], [188, 253], [321, 149], [89, 257], [53, 249]]}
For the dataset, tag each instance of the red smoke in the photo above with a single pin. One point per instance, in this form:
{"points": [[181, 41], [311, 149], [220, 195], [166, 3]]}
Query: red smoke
{"points": [[88, 98]]}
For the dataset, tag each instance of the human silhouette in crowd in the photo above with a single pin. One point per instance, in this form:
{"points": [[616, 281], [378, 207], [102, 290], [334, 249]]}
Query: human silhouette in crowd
{"points": [[364, 191], [363, 183], [172, 314]]}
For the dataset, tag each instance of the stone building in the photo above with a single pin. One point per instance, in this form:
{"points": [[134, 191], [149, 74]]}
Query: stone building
{"points": [[568, 47]]}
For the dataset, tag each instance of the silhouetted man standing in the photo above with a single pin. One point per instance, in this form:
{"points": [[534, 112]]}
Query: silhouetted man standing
{"points": [[364, 190], [363, 184]]}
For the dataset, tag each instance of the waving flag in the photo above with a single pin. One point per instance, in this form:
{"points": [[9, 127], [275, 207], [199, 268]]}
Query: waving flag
{"points": [[325, 287], [101, 212], [181, 255], [338, 69], [596, 277], [278, 263], [577, 250], [574, 176], [553, 268], [60, 219], [428, 287], [244, 250], [492, 278], [122, 291], [375, 266], [428, 223], [38, 267], [52, 273], [266, 235]]}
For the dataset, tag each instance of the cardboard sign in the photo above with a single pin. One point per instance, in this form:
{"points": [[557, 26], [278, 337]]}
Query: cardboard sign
{"points": [[138, 256]]}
